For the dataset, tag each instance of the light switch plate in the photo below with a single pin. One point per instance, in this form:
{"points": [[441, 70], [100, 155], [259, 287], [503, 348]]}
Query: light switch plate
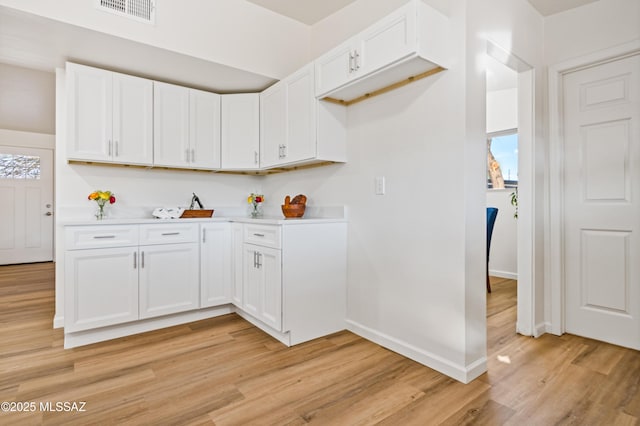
{"points": [[380, 185]]}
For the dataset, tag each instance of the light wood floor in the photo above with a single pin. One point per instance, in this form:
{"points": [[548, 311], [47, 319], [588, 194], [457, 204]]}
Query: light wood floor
{"points": [[224, 371]]}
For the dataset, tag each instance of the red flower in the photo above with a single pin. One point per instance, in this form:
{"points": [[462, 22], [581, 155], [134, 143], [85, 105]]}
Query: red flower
{"points": [[112, 199], [258, 199]]}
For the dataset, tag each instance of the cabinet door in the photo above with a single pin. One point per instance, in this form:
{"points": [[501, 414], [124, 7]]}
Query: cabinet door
{"points": [[89, 108], [132, 120], [273, 124], [270, 267], [169, 279], [240, 131], [170, 125], [204, 130], [101, 288], [334, 68], [263, 284], [215, 264], [301, 117], [387, 41], [238, 265], [252, 280]]}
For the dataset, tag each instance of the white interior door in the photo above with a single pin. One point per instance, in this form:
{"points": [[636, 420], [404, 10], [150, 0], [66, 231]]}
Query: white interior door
{"points": [[602, 202], [26, 205]]}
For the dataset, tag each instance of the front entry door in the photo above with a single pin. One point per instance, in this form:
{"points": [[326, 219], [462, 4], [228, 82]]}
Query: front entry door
{"points": [[602, 202], [26, 205]]}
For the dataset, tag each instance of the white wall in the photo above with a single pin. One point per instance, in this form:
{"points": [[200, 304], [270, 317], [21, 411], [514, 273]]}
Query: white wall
{"points": [[502, 110], [593, 27], [503, 259], [417, 254], [27, 100], [235, 33], [502, 114]]}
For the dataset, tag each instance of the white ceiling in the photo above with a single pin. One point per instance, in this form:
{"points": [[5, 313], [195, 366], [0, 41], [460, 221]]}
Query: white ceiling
{"points": [[551, 7], [306, 11], [311, 11], [40, 43], [31, 41]]}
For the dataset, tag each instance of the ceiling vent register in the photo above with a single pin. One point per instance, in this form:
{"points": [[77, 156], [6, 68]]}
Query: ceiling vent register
{"points": [[140, 10]]}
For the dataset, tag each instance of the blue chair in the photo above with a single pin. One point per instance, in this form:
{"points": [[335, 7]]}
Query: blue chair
{"points": [[492, 213]]}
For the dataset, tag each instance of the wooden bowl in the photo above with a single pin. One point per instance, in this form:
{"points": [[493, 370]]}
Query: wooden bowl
{"points": [[293, 210]]}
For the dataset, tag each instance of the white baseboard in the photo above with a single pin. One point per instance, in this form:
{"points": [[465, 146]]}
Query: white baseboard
{"points": [[540, 329], [462, 373], [81, 338], [503, 274], [58, 321]]}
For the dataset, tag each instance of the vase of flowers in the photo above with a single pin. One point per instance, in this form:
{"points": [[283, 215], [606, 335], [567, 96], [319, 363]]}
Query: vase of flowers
{"points": [[255, 201], [102, 198]]}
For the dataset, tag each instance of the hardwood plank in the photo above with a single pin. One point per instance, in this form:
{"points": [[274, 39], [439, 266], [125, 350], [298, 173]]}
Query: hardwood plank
{"points": [[225, 371]]}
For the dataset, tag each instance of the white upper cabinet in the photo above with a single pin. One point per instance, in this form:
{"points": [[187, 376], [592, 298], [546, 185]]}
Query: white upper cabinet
{"points": [[273, 124], [109, 116], [186, 127], [171, 125], [405, 44], [295, 128], [240, 134], [204, 129]]}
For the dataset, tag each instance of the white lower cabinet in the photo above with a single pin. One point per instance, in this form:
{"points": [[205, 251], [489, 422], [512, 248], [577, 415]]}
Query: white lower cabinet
{"points": [[101, 287], [287, 278], [263, 284], [112, 278], [215, 264], [169, 279], [294, 279]]}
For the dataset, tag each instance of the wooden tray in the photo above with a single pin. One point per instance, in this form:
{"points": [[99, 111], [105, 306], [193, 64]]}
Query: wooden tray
{"points": [[196, 213]]}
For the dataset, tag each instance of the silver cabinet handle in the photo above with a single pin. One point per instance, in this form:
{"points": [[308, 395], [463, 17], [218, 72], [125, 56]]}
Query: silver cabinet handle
{"points": [[48, 214], [357, 60], [165, 234], [103, 237], [135, 260], [142, 260], [193, 155], [258, 235], [284, 151], [255, 157], [204, 235], [352, 68], [259, 263], [117, 149]]}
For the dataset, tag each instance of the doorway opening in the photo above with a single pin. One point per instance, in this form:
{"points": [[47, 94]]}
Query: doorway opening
{"points": [[510, 111]]}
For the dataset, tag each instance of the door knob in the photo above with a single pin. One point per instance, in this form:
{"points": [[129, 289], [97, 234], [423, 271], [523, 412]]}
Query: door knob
{"points": [[48, 214]]}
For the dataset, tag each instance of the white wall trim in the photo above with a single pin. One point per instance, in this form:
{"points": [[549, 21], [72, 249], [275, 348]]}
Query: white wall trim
{"points": [[58, 321], [27, 139], [503, 274], [554, 244], [462, 373], [80, 338], [526, 185]]}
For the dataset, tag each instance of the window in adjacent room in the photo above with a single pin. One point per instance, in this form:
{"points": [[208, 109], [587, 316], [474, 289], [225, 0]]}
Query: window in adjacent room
{"points": [[502, 159]]}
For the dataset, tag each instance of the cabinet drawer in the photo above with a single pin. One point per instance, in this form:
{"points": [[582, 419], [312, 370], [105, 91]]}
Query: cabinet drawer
{"points": [[169, 233], [88, 237], [264, 235]]}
